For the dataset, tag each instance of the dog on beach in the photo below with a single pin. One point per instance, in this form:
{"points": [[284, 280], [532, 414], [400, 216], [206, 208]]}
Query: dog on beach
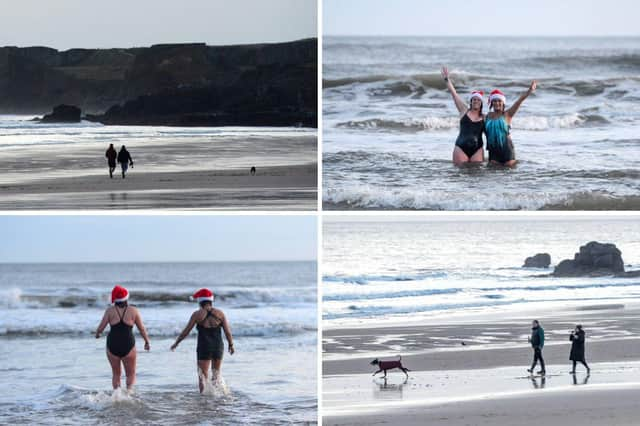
{"points": [[253, 171], [389, 365]]}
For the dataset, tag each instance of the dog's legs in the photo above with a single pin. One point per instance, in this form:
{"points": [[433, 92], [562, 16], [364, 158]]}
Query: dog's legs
{"points": [[405, 371], [377, 372], [385, 373]]}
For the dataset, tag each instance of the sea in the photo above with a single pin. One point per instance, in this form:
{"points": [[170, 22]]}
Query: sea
{"points": [[403, 269], [389, 124], [54, 371]]}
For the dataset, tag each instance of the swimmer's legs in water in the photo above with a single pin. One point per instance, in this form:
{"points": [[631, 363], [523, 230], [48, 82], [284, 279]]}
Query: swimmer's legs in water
{"points": [[129, 362], [116, 370], [459, 157], [509, 163], [203, 371]]}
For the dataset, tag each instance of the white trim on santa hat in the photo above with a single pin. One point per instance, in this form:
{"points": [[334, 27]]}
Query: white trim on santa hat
{"points": [[499, 96]]}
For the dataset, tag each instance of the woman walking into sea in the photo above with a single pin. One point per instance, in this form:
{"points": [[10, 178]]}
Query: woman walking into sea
{"points": [[210, 322], [121, 345]]}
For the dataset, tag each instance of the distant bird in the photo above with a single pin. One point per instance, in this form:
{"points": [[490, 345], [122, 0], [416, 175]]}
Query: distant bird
{"points": [[253, 171], [463, 343]]}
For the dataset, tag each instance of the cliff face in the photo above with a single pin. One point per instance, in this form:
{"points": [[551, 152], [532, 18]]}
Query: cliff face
{"points": [[165, 83]]}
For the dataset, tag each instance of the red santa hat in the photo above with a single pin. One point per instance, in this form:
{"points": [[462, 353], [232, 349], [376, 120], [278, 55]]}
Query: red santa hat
{"points": [[497, 94], [119, 294], [203, 295], [476, 94]]}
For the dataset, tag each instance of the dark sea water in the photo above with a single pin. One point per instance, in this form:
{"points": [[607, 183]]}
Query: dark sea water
{"points": [[389, 124]]}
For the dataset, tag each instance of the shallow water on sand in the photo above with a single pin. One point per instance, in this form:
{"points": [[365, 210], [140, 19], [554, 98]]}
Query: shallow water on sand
{"points": [[389, 125]]}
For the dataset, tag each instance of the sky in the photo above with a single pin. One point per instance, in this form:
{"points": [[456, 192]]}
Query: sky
{"points": [[64, 24], [156, 238], [481, 17]]}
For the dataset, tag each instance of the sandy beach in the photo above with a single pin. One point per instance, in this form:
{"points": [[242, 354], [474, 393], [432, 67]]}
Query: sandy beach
{"points": [[471, 370], [284, 187]]}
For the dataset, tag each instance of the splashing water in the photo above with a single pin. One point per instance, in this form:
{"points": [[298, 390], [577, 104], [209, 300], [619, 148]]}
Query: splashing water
{"points": [[216, 386]]}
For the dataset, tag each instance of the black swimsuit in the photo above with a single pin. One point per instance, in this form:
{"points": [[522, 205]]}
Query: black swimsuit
{"points": [[470, 136], [120, 339], [210, 344]]}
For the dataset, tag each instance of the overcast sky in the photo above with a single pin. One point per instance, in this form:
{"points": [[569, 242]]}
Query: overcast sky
{"points": [[156, 238], [63, 24], [481, 17]]}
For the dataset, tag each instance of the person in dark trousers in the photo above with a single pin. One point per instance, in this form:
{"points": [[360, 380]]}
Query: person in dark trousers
{"points": [[577, 348], [111, 155], [537, 343], [125, 160]]}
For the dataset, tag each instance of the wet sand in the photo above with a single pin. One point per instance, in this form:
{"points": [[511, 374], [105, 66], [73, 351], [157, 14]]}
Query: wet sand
{"points": [[485, 381], [272, 188]]}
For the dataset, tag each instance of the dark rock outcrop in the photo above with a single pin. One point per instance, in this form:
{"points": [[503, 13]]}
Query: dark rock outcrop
{"points": [[593, 259], [181, 84], [540, 260], [63, 114]]}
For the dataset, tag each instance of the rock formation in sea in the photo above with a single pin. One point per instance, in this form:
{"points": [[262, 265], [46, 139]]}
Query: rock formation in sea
{"points": [[540, 260], [593, 259]]}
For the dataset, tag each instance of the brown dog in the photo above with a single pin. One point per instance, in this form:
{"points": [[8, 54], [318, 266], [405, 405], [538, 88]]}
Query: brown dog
{"points": [[389, 365]]}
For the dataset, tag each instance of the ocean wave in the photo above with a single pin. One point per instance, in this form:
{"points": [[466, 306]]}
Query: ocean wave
{"points": [[391, 295], [17, 298], [365, 279], [566, 121], [384, 198], [475, 290], [625, 60], [266, 330]]}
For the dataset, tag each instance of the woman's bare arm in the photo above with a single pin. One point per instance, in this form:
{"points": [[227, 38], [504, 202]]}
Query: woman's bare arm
{"points": [[460, 104], [185, 332], [143, 331], [103, 324], [227, 333], [516, 105]]}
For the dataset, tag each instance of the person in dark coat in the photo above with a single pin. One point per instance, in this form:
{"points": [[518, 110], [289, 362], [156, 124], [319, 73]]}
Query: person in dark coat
{"points": [[111, 155], [577, 348], [125, 160], [537, 343]]}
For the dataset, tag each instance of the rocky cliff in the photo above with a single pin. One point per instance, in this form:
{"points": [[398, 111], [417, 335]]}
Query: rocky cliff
{"points": [[187, 84]]}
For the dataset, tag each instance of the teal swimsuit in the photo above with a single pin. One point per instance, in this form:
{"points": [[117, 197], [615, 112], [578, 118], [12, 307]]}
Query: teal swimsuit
{"points": [[499, 139]]}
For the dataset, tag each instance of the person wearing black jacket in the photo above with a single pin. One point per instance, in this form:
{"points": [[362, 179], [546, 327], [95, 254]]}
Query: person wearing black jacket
{"points": [[111, 155], [125, 160], [577, 348]]}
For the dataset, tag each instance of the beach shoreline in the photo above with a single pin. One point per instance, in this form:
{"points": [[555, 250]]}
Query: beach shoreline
{"points": [[272, 187], [463, 370]]}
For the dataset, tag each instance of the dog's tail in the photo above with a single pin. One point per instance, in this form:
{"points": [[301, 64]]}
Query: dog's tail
{"points": [[399, 357]]}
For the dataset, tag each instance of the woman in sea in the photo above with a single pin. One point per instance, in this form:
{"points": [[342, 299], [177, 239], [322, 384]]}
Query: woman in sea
{"points": [[121, 345], [210, 322], [468, 147], [497, 125]]}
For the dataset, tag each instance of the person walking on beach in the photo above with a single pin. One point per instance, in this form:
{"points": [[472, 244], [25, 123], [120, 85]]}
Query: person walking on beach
{"points": [[537, 343], [577, 337], [468, 147], [498, 126], [111, 155], [125, 160], [121, 345], [210, 322]]}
